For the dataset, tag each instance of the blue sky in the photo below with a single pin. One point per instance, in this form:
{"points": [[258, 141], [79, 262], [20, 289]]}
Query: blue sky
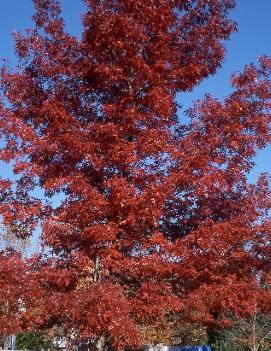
{"points": [[251, 41]]}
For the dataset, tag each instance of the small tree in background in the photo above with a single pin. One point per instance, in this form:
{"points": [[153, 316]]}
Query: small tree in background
{"points": [[253, 333], [12, 288], [11, 241]]}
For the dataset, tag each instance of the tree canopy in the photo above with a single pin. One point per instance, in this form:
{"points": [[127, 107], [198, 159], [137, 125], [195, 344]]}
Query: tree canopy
{"points": [[158, 224]]}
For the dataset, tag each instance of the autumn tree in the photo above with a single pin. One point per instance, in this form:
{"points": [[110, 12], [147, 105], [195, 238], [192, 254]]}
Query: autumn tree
{"points": [[157, 220]]}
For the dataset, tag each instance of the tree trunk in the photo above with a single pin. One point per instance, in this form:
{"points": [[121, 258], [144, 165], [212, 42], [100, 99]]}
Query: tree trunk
{"points": [[96, 275], [211, 334], [100, 345]]}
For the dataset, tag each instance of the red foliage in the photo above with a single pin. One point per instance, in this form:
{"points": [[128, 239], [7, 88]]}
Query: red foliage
{"points": [[157, 217], [12, 277]]}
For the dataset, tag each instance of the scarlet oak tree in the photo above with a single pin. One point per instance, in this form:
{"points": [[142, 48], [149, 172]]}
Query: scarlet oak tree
{"points": [[157, 221]]}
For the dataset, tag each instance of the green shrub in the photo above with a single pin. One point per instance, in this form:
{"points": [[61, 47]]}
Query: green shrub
{"points": [[32, 341]]}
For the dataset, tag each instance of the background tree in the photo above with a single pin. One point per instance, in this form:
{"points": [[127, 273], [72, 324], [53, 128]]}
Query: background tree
{"points": [[253, 333], [12, 273], [10, 241], [170, 332], [157, 217]]}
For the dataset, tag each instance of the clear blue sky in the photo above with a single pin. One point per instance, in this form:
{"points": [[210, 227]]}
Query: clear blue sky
{"points": [[251, 41]]}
